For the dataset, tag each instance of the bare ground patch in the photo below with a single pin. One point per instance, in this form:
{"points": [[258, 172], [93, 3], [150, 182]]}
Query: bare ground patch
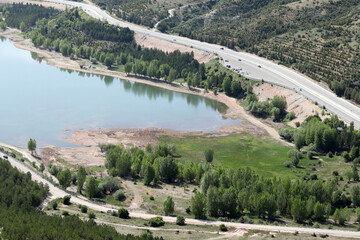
{"points": [[297, 103], [166, 46]]}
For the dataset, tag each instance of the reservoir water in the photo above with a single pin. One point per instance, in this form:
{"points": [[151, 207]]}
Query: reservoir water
{"points": [[41, 101]]}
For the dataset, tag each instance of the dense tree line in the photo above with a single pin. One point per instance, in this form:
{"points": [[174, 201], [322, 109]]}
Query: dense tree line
{"points": [[228, 193], [17, 13], [17, 190], [19, 197], [331, 135]]}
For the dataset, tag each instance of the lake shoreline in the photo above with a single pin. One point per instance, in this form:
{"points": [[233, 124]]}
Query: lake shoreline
{"points": [[234, 111]]}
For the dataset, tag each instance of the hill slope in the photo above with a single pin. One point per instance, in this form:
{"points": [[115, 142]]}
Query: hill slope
{"points": [[319, 38]]}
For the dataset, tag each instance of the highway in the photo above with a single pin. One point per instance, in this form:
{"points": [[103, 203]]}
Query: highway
{"points": [[251, 66]]}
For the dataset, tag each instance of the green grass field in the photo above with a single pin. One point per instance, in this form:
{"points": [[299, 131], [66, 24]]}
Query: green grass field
{"points": [[265, 156]]}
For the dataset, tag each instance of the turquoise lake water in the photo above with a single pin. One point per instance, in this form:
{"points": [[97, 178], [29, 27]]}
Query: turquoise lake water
{"points": [[41, 101]]}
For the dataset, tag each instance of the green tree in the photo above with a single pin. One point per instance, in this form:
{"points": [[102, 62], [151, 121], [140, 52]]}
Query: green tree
{"points": [[280, 103], [128, 67], [354, 152], [109, 60], [295, 156], [123, 213], [123, 164], [198, 205], [319, 211], [341, 216], [91, 187], [22, 26], [189, 171], [226, 85], [209, 155], [169, 206], [164, 70], [299, 139], [355, 172], [149, 173], [180, 220], [212, 202], [236, 89], [172, 75], [168, 169], [357, 212], [64, 178], [32, 145], [355, 196], [42, 167], [298, 210], [276, 114], [80, 178]]}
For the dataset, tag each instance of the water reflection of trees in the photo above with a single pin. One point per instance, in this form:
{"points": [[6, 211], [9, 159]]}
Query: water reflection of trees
{"points": [[153, 93], [36, 57]]}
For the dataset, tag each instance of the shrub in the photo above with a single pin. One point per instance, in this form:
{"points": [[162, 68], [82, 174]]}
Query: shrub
{"points": [[310, 154], [91, 215], [188, 210], [119, 195], [65, 213], [223, 228], [114, 214], [313, 177], [123, 213], [209, 155], [66, 200], [84, 209], [180, 220], [54, 205], [152, 198], [287, 164], [156, 222]]}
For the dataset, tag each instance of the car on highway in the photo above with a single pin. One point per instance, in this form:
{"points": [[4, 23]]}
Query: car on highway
{"points": [[222, 48], [259, 66], [239, 60], [226, 60], [5, 157]]}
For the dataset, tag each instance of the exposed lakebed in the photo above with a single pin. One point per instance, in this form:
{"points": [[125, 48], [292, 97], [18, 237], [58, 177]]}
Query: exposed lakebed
{"points": [[41, 101]]}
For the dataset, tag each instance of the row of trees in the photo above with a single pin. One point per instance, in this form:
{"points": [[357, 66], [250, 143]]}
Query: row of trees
{"points": [[330, 135], [229, 192]]}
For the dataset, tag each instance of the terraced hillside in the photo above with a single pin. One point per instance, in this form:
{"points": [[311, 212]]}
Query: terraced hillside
{"points": [[144, 12], [320, 38]]}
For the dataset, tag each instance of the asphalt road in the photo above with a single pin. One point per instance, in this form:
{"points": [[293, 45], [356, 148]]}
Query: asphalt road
{"points": [[251, 66]]}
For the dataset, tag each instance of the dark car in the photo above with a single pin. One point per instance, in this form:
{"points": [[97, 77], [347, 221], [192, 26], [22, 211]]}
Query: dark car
{"points": [[5, 157]]}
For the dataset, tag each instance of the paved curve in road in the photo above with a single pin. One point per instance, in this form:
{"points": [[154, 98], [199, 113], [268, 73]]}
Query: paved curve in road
{"points": [[252, 66], [59, 193]]}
